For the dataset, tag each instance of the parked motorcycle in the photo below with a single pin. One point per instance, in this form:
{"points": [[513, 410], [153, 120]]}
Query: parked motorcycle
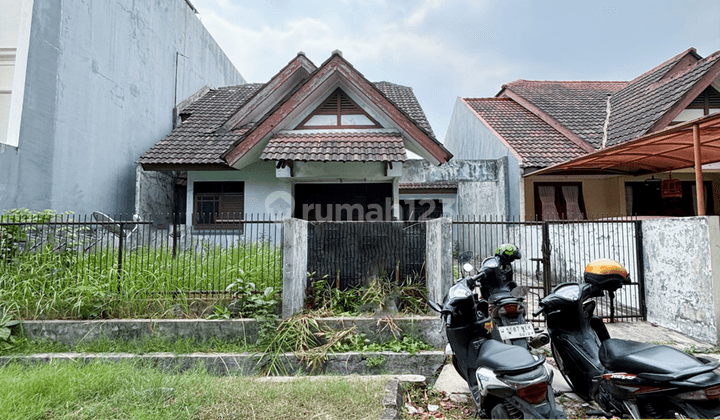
{"points": [[625, 378], [506, 300], [505, 381]]}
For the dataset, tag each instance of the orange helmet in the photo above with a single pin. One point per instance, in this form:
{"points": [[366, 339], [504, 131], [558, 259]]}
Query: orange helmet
{"points": [[605, 273]]}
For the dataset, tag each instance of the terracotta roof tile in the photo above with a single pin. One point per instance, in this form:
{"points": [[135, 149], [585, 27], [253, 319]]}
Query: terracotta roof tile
{"points": [[404, 98], [336, 146], [578, 106], [537, 143], [637, 107]]}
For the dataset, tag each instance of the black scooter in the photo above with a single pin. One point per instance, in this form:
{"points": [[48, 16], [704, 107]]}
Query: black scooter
{"points": [[625, 378], [507, 303], [505, 381]]}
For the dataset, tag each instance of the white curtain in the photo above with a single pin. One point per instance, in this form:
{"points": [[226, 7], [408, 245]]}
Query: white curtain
{"points": [[572, 203], [629, 199], [547, 201]]}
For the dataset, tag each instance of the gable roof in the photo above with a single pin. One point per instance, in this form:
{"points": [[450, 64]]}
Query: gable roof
{"points": [[225, 124], [534, 140], [597, 114], [337, 70]]}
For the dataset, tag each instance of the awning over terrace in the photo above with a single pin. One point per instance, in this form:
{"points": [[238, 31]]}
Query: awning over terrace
{"points": [[693, 143]]}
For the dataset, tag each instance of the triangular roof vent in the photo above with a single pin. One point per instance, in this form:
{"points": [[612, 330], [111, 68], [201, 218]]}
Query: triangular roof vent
{"points": [[338, 111]]}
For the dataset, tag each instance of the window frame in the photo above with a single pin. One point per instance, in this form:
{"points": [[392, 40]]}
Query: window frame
{"points": [[352, 108], [560, 204], [229, 205]]}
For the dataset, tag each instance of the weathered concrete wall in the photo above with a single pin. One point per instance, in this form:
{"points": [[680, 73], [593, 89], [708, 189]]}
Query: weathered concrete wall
{"points": [[438, 258], [682, 275], [468, 138], [483, 185], [154, 192], [295, 233], [425, 328], [101, 83], [425, 363]]}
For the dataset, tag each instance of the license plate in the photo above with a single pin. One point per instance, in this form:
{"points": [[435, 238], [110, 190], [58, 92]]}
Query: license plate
{"points": [[509, 332]]}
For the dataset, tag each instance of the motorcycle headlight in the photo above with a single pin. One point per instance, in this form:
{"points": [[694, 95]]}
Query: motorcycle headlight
{"points": [[569, 292]]}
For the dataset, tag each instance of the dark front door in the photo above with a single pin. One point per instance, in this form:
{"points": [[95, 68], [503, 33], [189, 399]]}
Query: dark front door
{"points": [[367, 201]]}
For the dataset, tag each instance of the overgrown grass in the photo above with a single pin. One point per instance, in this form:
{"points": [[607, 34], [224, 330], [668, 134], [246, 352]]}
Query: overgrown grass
{"points": [[48, 284], [129, 391]]}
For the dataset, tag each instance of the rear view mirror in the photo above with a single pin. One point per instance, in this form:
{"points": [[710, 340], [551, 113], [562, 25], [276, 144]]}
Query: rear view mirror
{"points": [[465, 257], [434, 306]]}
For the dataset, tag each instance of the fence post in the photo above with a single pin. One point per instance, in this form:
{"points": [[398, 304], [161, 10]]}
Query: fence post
{"points": [[438, 258], [295, 233], [546, 251], [120, 254], [640, 267]]}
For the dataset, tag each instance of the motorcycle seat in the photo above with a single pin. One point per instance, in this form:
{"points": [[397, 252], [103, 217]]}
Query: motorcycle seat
{"points": [[643, 358], [500, 296], [505, 358]]}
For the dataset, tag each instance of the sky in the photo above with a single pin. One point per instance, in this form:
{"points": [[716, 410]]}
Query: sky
{"points": [[445, 49]]}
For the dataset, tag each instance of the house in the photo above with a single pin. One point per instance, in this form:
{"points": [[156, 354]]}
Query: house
{"points": [[541, 124], [86, 87], [314, 142]]}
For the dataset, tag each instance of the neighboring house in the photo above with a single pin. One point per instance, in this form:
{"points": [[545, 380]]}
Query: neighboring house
{"points": [[86, 87], [316, 143], [538, 124]]}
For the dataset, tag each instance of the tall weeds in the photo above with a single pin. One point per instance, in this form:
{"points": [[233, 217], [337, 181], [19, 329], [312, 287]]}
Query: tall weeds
{"points": [[67, 284]]}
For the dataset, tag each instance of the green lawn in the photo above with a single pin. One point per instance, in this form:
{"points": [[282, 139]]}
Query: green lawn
{"points": [[127, 391]]}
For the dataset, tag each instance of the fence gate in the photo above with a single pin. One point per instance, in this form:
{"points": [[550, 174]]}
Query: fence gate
{"points": [[351, 253], [555, 252]]}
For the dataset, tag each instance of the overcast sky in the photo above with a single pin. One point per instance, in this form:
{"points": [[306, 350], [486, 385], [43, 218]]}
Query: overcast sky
{"points": [[469, 48]]}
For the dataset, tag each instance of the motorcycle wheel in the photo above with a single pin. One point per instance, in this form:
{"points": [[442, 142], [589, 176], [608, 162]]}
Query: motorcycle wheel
{"points": [[456, 365], [561, 367]]}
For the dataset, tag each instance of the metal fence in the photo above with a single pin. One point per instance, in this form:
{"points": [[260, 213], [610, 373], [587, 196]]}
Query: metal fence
{"points": [[352, 253], [555, 252], [159, 251]]}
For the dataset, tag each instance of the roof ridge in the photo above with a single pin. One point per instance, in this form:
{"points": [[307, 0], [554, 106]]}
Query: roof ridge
{"points": [[690, 50], [712, 57]]}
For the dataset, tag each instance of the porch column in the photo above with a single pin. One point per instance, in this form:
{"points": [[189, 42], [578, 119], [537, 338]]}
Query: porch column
{"points": [[295, 233], [438, 258], [698, 171]]}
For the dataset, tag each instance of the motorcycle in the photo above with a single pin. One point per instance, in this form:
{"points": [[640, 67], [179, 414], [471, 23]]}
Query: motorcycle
{"points": [[506, 300], [625, 378], [505, 381]]}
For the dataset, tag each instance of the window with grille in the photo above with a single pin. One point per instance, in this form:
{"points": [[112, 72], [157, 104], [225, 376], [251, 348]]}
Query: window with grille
{"points": [[338, 111], [219, 205]]}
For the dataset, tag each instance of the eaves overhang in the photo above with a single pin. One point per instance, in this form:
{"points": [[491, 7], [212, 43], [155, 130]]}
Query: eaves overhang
{"points": [[667, 150]]}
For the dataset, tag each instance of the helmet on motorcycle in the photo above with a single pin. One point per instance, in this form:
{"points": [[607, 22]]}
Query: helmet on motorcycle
{"points": [[507, 253], [606, 274]]}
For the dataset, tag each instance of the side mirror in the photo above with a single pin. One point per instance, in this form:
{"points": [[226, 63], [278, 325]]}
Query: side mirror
{"points": [[434, 306], [465, 257], [520, 291]]}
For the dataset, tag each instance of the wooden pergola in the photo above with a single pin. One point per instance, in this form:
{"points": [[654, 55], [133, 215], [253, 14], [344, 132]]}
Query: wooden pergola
{"points": [[690, 144]]}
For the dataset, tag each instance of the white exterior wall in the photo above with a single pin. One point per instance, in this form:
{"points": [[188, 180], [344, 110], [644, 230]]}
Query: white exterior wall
{"points": [[682, 275], [264, 194], [469, 139], [99, 91]]}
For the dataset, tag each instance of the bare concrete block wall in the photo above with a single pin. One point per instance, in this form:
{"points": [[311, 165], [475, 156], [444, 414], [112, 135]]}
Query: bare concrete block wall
{"points": [[295, 233], [681, 257], [438, 258]]}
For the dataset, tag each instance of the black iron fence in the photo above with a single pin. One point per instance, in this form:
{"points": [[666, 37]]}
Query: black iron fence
{"points": [[159, 253], [555, 252], [351, 253]]}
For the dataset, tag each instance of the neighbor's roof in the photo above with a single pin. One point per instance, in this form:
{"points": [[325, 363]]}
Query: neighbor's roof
{"points": [[578, 106], [579, 111], [336, 146], [537, 143]]}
